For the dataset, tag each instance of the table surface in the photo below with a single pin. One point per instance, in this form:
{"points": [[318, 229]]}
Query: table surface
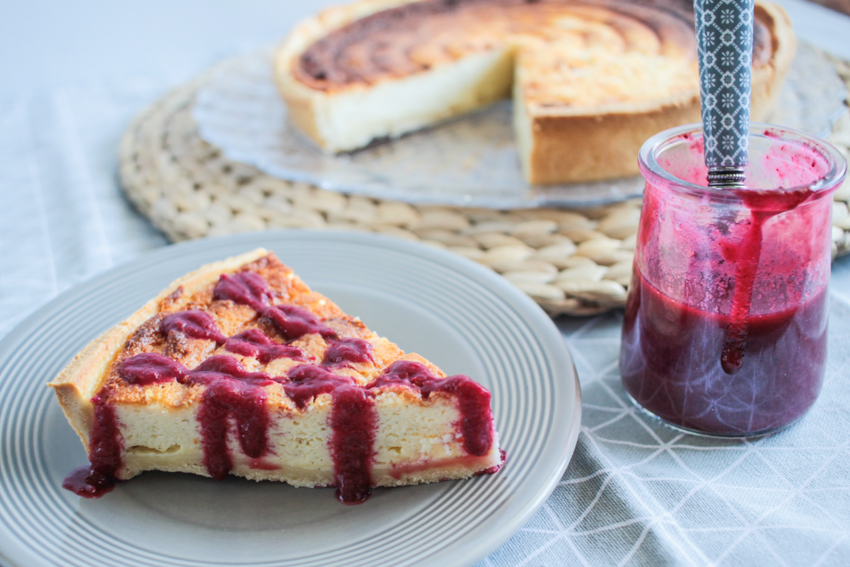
{"points": [[636, 493]]}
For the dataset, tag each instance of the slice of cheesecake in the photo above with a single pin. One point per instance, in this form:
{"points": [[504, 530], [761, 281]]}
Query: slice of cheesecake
{"points": [[239, 368], [591, 80]]}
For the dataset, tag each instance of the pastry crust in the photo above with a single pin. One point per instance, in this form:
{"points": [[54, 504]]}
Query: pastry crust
{"points": [[557, 144]]}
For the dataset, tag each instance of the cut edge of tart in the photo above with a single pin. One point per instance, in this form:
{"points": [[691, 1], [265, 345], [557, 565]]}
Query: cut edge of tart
{"points": [[557, 141], [239, 368]]}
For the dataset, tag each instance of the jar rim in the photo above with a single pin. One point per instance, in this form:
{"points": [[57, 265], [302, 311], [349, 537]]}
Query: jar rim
{"points": [[653, 171]]}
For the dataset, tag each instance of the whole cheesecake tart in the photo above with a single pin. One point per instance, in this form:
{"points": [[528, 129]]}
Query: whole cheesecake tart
{"points": [[590, 80], [240, 369]]}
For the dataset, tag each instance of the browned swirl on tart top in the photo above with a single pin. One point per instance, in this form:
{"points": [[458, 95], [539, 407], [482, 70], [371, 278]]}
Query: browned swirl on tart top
{"points": [[414, 37]]}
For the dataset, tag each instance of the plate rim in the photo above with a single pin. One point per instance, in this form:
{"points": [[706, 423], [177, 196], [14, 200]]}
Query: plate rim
{"points": [[462, 551]]}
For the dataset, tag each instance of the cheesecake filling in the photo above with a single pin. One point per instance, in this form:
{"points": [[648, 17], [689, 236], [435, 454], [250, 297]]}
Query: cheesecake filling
{"points": [[232, 395]]}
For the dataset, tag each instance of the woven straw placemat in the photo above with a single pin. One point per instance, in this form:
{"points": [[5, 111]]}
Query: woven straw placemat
{"points": [[575, 262]]}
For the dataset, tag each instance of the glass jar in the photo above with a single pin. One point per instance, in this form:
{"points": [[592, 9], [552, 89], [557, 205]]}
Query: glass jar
{"points": [[726, 318]]}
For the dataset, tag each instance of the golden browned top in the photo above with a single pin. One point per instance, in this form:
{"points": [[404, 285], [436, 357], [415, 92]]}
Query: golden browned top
{"points": [[569, 52], [233, 318]]}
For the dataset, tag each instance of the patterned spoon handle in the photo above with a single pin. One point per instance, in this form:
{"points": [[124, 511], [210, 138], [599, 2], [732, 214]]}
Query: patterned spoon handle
{"points": [[725, 47]]}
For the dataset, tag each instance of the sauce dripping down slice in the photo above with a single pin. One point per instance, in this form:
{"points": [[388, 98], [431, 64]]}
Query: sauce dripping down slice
{"points": [[353, 422], [230, 391], [105, 445], [473, 400]]}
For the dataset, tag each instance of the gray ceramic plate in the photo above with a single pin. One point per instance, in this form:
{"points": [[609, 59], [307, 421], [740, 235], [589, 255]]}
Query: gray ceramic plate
{"points": [[462, 316]]}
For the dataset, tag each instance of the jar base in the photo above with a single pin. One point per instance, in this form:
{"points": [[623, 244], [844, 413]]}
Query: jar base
{"points": [[710, 434]]}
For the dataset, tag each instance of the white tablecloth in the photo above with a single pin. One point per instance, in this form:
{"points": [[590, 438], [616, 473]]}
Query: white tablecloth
{"points": [[635, 492]]}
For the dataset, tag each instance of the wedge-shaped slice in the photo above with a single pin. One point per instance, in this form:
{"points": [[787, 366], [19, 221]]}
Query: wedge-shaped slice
{"points": [[239, 368]]}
